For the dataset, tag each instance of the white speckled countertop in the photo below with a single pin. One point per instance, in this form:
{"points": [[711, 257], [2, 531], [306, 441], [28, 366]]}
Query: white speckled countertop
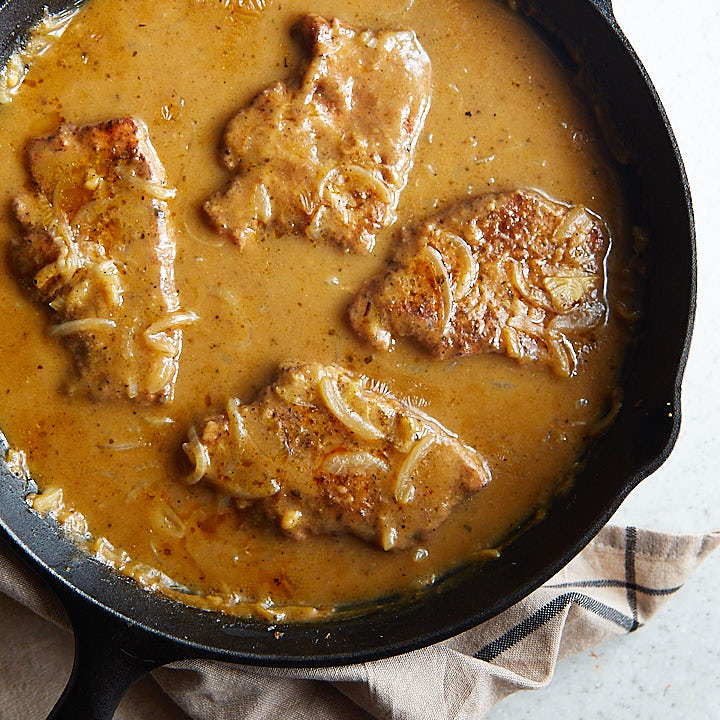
{"points": [[671, 667]]}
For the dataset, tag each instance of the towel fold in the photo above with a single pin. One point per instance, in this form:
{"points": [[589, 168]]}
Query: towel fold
{"points": [[615, 585]]}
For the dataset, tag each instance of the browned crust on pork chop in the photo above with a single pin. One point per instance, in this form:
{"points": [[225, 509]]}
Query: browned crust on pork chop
{"points": [[328, 158], [324, 451], [98, 249], [514, 273]]}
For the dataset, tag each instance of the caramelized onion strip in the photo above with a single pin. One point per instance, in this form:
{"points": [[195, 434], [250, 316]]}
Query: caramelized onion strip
{"points": [[469, 270], [154, 189], [90, 324], [352, 420], [356, 172], [237, 426], [434, 259], [357, 462], [109, 278], [156, 337], [562, 354], [263, 206], [163, 371], [404, 486], [198, 455]]}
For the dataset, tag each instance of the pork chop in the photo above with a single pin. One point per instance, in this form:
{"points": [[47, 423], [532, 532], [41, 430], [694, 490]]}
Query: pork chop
{"points": [[99, 250], [323, 451], [514, 273], [330, 157]]}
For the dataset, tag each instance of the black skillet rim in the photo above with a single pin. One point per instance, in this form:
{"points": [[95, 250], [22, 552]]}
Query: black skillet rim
{"points": [[397, 629]]}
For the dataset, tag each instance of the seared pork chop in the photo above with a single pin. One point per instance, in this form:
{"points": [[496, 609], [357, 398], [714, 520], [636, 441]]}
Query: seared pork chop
{"points": [[322, 451], [514, 273], [329, 157], [98, 249]]}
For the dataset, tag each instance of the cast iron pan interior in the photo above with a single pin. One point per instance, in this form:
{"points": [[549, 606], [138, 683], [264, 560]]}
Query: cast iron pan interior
{"points": [[141, 630]]}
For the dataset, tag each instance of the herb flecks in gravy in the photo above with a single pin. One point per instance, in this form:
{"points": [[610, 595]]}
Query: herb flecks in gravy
{"points": [[324, 451], [330, 157], [504, 115], [512, 273], [99, 251]]}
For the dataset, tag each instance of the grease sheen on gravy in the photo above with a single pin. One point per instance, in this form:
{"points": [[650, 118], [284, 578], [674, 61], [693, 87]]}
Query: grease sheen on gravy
{"points": [[504, 114]]}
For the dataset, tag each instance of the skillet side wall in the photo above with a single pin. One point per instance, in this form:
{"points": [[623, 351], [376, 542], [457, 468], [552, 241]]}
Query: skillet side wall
{"points": [[18, 16], [635, 445]]}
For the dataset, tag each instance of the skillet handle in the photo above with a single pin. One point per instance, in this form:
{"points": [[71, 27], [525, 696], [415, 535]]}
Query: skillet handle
{"points": [[107, 663]]}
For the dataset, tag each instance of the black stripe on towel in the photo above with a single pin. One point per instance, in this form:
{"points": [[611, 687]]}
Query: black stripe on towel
{"points": [[547, 613], [606, 582], [630, 545]]}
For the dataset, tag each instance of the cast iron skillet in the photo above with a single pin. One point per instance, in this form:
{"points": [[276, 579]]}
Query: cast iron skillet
{"points": [[122, 631]]}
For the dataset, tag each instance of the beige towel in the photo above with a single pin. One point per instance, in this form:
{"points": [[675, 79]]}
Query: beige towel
{"points": [[614, 586]]}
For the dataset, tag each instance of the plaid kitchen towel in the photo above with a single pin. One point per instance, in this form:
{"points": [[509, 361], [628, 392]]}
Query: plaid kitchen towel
{"points": [[613, 587]]}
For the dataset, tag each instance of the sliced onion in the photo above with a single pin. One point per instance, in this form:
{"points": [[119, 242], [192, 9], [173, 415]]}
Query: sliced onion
{"points": [[198, 455], [77, 296], [108, 275], [92, 324], [512, 343], [156, 337], [467, 275], [49, 502], [434, 259], [263, 206], [388, 538], [568, 290], [357, 462], [562, 354], [106, 552], [89, 212], [313, 228], [352, 420], [524, 324], [153, 188], [531, 294], [132, 386], [237, 426], [580, 319], [575, 221], [175, 320], [372, 181], [168, 521], [404, 485], [164, 370], [616, 403], [359, 173]]}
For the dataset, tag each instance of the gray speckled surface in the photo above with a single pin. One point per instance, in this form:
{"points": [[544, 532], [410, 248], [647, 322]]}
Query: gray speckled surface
{"points": [[671, 667]]}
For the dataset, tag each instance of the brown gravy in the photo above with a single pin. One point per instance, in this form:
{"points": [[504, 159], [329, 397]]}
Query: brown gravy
{"points": [[504, 114]]}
